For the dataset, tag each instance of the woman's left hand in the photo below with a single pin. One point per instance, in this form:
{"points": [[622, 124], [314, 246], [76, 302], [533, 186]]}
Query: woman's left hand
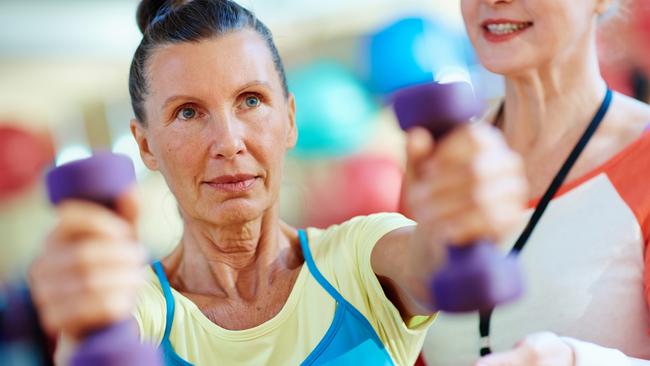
{"points": [[540, 349]]}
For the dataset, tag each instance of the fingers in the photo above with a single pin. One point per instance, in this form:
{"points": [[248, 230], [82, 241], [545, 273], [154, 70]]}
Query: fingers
{"points": [[81, 287], [419, 148], [81, 219], [86, 286], [472, 187], [128, 206], [469, 141], [69, 269], [81, 314]]}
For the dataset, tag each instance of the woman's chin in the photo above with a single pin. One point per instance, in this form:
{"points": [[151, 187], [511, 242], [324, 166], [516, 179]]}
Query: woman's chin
{"points": [[234, 211], [506, 65]]}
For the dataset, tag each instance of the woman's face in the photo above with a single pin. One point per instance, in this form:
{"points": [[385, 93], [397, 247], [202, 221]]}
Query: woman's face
{"points": [[218, 126], [513, 36]]}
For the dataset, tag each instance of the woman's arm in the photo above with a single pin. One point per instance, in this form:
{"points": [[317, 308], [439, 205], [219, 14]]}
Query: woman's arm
{"points": [[470, 187]]}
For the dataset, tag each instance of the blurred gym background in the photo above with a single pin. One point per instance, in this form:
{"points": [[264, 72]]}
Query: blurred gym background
{"points": [[63, 92]]}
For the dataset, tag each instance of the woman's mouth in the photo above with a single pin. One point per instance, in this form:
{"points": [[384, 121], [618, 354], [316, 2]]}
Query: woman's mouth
{"points": [[503, 30], [234, 183]]}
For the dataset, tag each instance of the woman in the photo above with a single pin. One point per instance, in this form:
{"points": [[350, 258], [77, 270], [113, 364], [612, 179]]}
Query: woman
{"points": [[214, 116], [585, 261]]}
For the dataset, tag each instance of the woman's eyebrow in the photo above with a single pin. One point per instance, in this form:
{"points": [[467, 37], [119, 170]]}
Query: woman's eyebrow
{"points": [[255, 83], [175, 98]]}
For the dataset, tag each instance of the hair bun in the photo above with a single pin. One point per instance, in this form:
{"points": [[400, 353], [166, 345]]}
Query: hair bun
{"points": [[147, 11]]}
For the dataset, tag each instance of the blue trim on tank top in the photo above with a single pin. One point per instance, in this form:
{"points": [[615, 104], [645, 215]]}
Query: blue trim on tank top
{"points": [[341, 305], [170, 306]]}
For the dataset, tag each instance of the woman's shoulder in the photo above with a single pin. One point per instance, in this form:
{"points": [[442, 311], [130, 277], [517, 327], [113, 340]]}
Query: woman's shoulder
{"points": [[623, 142], [630, 133], [356, 235], [631, 118], [362, 227], [629, 170]]}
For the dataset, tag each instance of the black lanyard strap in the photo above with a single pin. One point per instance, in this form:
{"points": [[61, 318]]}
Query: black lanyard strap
{"points": [[556, 183]]}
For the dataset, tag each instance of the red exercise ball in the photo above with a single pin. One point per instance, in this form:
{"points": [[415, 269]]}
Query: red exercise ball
{"points": [[23, 156], [355, 186]]}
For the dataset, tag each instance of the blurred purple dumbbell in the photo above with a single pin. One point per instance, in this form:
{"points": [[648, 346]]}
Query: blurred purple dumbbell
{"points": [[101, 179], [477, 276]]}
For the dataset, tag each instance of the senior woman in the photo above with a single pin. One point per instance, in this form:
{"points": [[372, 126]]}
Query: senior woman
{"points": [[586, 262], [214, 116]]}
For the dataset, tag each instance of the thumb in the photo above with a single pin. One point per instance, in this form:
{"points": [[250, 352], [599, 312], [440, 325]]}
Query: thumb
{"points": [[419, 147], [128, 206]]}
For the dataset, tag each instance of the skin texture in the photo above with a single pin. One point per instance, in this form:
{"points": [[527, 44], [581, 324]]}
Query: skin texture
{"points": [[216, 107], [550, 69]]}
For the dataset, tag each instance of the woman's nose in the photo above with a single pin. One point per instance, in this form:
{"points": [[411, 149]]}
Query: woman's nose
{"points": [[226, 139]]}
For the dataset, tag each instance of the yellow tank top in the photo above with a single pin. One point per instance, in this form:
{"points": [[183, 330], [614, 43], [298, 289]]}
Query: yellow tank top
{"points": [[342, 254]]}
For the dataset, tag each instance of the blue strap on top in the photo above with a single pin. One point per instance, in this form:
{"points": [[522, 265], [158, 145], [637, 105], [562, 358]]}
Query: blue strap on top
{"points": [[349, 329], [306, 253], [169, 298], [171, 358]]}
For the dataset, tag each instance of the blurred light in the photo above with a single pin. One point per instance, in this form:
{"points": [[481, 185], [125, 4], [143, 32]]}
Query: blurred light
{"points": [[452, 74], [126, 145], [72, 153], [487, 85]]}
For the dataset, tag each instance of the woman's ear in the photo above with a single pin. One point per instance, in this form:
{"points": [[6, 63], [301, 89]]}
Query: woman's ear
{"points": [[293, 129], [140, 134]]}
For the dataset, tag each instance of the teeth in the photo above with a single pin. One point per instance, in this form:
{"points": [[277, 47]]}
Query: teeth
{"points": [[506, 28]]}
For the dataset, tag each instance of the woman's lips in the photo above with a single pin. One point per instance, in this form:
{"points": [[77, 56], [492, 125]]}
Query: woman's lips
{"points": [[233, 183], [502, 30]]}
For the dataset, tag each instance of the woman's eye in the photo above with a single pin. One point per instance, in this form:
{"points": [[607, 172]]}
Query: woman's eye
{"points": [[187, 113], [252, 101]]}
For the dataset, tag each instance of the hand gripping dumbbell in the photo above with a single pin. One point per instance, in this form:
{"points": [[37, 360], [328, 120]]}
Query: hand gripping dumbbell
{"points": [[476, 276], [102, 178]]}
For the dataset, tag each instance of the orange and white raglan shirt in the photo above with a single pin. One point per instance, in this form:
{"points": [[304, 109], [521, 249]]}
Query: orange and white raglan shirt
{"points": [[587, 271]]}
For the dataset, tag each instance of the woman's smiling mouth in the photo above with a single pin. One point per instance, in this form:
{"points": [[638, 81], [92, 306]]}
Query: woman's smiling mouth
{"points": [[501, 30]]}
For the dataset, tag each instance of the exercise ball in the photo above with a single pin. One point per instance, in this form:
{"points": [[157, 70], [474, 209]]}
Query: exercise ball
{"points": [[23, 156], [334, 111], [411, 51], [358, 185]]}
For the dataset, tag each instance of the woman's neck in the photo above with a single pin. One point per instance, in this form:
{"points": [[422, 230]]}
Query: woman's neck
{"points": [[545, 106], [233, 261]]}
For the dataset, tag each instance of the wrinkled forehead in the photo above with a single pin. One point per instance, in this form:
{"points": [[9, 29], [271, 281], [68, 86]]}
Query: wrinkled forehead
{"points": [[220, 64]]}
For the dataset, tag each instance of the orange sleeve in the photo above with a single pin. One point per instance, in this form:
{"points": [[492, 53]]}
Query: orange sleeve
{"points": [[630, 174]]}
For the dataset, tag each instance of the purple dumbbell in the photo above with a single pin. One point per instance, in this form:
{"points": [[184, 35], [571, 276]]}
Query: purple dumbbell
{"points": [[477, 276], [101, 179]]}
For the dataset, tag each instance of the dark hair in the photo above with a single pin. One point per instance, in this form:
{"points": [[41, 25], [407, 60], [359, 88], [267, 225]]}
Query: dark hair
{"points": [[175, 21]]}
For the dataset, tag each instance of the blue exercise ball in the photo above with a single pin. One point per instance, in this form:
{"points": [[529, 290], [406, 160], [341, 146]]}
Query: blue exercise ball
{"points": [[410, 51], [334, 111]]}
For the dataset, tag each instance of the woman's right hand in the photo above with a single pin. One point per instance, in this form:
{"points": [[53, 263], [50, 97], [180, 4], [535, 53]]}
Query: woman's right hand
{"points": [[90, 269], [469, 186]]}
